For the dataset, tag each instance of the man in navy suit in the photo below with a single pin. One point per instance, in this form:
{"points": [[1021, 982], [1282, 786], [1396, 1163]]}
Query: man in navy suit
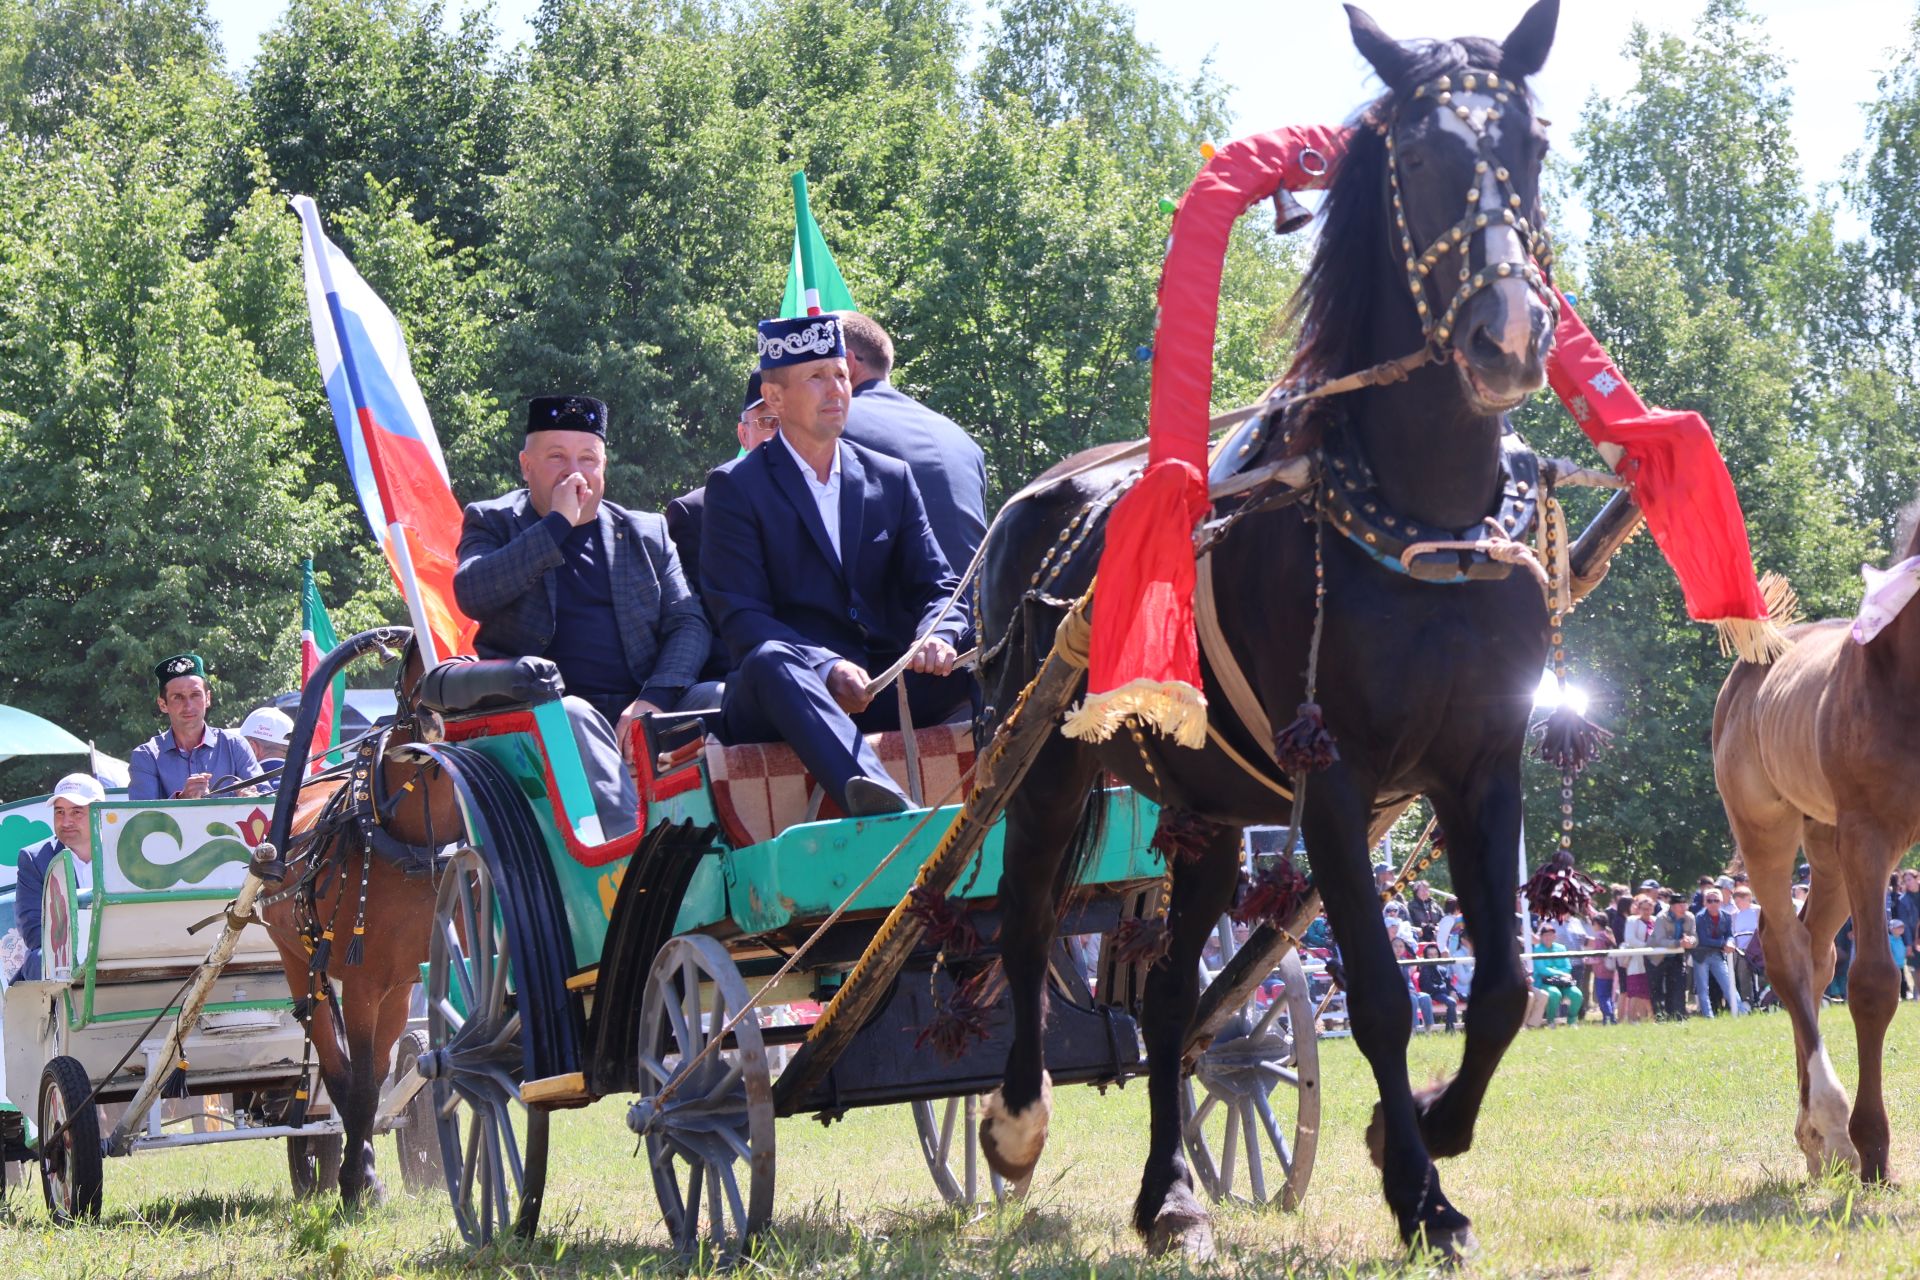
{"points": [[947, 465], [818, 561]]}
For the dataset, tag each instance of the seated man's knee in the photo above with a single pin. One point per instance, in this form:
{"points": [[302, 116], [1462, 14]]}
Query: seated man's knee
{"points": [[767, 659]]}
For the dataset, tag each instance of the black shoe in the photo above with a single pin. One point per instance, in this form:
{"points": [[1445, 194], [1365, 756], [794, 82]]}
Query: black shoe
{"points": [[869, 799]]}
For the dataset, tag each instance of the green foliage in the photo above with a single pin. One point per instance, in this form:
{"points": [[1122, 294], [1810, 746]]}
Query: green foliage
{"points": [[55, 53]]}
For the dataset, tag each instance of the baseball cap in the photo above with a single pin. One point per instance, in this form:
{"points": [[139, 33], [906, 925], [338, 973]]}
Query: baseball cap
{"points": [[269, 724], [1649, 884], [80, 788]]}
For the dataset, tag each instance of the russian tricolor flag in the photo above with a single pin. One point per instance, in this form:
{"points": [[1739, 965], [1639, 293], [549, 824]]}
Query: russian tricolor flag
{"points": [[392, 453]]}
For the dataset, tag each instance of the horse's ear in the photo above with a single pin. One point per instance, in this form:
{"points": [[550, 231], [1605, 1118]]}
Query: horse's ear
{"points": [[1524, 51], [1390, 61]]}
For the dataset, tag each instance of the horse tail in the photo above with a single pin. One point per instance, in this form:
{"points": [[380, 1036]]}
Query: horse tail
{"points": [[1088, 836]]}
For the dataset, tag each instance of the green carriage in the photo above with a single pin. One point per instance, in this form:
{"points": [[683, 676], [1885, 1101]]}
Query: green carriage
{"points": [[564, 969], [103, 1022]]}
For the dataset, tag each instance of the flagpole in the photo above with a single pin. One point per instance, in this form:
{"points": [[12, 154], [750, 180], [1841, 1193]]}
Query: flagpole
{"points": [[363, 420], [802, 220]]}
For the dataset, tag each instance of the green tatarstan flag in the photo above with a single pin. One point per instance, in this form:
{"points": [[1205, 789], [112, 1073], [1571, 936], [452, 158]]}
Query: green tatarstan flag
{"points": [[813, 281], [317, 640]]}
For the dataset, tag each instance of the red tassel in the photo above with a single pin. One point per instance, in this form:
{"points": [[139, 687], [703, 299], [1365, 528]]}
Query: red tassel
{"points": [[1275, 896], [947, 924], [1142, 942], [1559, 887], [1306, 745], [960, 1018], [1182, 835]]}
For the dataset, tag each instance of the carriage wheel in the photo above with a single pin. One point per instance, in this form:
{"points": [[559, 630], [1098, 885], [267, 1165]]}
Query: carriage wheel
{"points": [[718, 1123], [939, 1123], [417, 1140], [1258, 1079], [313, 1164], [492, 1145], [69, 1139]]}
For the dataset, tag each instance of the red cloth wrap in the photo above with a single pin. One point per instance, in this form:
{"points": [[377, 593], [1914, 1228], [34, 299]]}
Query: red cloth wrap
{"points": [[1144, 655], [1677, 474]]}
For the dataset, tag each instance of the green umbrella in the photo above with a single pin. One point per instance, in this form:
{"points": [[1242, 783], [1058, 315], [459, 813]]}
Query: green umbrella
{"points": [[24, 734]]}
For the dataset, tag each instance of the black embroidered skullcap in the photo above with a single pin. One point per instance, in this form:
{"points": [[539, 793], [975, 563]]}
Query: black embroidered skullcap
{"points": [[798, 340], [567, 413]]}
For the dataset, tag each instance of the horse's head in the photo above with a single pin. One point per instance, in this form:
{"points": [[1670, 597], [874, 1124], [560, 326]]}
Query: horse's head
{"points": [[1463, 151]]}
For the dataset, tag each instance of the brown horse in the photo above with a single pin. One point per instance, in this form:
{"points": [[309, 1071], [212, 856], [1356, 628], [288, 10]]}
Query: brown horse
{"points": [[354, 1032], [1820, 751]]}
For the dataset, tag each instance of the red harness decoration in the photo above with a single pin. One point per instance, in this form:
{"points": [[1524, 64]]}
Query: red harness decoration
{"points": [[1680, 480], [1144, 661]]}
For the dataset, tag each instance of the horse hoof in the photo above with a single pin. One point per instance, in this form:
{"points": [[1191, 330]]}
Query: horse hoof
{"points": [[1181, 1224], [1012, 1141], [1452, 1245]]}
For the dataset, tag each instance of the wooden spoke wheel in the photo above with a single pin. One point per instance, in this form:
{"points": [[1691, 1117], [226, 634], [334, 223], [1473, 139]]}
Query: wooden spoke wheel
{"points": [[69, 1138], [417, 1139], [710, 1141], [949, 1130], [492, 1145], [1250, 1111], [313, 1164]]}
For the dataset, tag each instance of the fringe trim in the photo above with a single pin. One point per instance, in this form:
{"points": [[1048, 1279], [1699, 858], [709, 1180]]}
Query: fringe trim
{"points": [[1172, 708], [1762, 640]]}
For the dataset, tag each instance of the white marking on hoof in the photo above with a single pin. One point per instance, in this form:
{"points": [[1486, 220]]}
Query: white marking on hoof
{"points": [[1013, 1140], [1821, 1129]]}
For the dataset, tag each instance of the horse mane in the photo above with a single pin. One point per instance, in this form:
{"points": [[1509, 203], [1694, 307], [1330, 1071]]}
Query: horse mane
{"points": [[1332, 304]]}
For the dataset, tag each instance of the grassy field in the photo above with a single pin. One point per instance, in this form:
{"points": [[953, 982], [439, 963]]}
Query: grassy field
{"points": [[1646, 1151]]}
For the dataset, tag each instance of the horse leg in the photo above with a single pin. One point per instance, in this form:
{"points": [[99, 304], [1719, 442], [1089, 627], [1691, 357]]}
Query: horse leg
{"points": [[1483, 833], [1379, 1004], [1039, 832], [1799, 949], [367, 1063], [1167, 1213], [1873, 983]]}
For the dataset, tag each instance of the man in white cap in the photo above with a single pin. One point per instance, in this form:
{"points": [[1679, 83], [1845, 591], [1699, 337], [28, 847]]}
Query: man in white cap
{"points": [[268, 731], [73, 796]]}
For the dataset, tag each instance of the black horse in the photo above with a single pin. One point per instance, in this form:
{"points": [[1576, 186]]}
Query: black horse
{"points": [[1429, 658]]}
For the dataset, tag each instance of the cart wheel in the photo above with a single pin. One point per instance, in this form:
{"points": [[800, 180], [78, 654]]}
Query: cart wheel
{"points": [[940, 1122], [314, 1164], [493, 1147], [1259, 1077], [417, 1140], [69, 1138], [718, 1122]]}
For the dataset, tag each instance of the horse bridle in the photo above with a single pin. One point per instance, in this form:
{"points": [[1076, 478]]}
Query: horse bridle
{"points": [[1537, 264]]}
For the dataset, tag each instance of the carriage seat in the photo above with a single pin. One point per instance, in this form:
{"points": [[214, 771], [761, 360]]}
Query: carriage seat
{"points": [[761, 788], [463, 685]]}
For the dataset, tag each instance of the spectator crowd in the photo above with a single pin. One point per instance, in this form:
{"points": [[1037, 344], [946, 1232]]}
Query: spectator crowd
{"points": [[1653, 953]]}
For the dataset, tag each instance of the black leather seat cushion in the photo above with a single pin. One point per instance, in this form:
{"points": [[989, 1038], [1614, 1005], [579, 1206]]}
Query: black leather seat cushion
{"points": [[466, 684]]}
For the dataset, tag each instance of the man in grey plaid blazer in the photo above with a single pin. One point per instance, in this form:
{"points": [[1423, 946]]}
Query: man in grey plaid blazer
{"points": [[554, 570]]}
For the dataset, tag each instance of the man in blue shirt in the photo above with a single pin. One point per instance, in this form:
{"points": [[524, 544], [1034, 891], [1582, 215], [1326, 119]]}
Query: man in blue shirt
{"points": [[73, 796], [190, 756]]}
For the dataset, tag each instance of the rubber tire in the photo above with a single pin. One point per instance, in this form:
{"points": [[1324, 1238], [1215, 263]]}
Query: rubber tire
{"points": [[313, 1164], [81, 1139], [417, 1142]]}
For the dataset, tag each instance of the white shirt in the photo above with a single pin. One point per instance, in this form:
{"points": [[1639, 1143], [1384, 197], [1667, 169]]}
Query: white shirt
{"points": [[825, 496], [1746, 922]]}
